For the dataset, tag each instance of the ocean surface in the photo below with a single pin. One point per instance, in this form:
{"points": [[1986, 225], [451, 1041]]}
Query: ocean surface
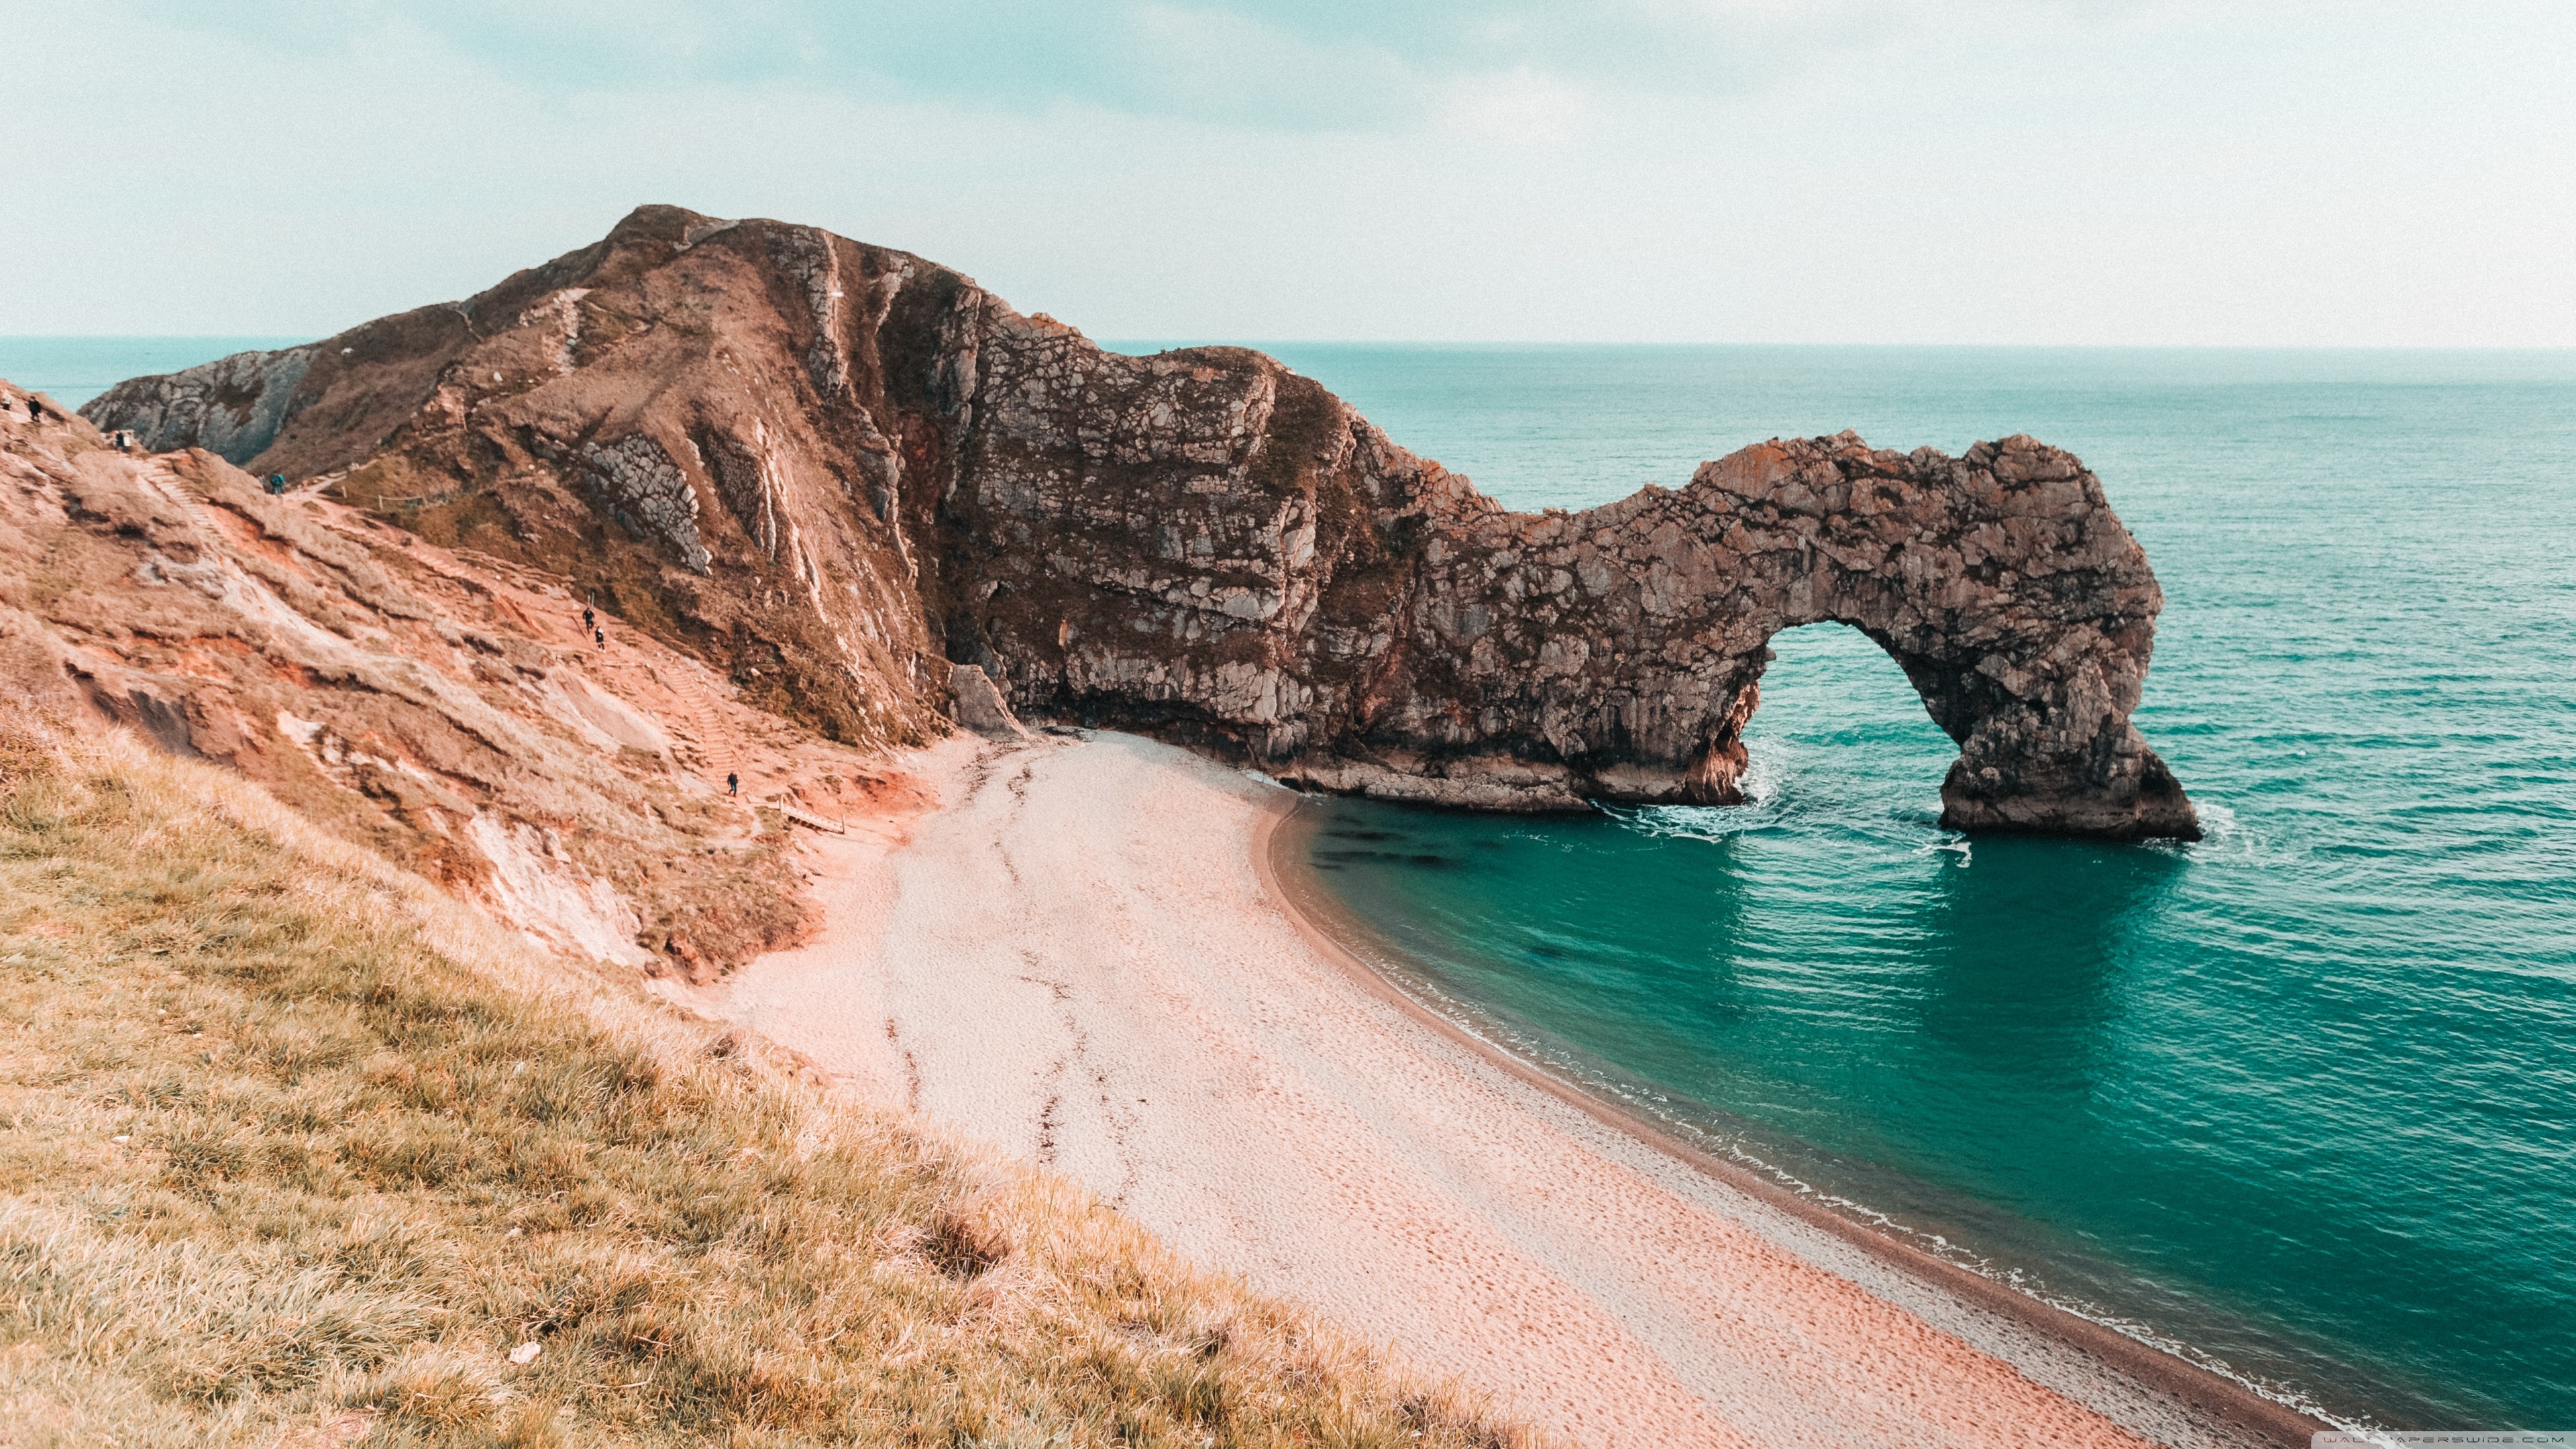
{"points": [[2298, 1100]]}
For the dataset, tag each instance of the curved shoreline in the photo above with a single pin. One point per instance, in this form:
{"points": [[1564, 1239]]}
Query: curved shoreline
{"points": [[1277, 849], [1082, 952]]}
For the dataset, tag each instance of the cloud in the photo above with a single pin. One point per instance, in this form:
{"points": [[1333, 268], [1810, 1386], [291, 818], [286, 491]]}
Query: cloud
{"points": [[1523, 108], [1823, 170], [1238, 68], [1319, 65]]}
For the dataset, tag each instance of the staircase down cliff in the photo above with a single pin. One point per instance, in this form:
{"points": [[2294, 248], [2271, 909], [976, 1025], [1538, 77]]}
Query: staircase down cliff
{"points": [[833, 470]]}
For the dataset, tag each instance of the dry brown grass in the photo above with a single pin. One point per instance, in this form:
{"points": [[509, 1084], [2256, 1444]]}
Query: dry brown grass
{"points": [[278, 1166]]}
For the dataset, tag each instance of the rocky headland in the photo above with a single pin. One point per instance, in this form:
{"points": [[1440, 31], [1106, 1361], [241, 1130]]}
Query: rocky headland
{"points": [[838, 474]]}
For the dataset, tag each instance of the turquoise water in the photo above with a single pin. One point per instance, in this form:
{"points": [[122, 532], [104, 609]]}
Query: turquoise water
{"points": [[72, 370], [2302, 1097]]}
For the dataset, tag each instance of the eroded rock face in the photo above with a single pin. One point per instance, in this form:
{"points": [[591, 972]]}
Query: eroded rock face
{"points": [[833, 469], [645, 491], [231, 407], [448, 711]]}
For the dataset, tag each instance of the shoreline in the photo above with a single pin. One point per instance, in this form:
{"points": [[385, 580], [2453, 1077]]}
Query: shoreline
{"points": [[1309, 904], [1086, 955]]}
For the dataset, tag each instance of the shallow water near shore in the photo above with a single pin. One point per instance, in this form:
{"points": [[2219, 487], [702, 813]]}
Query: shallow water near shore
{"points": [[2299, 1099]]}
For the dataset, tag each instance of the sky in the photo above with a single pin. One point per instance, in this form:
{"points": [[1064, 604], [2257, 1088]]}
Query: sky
{"points": [[2094, 172]]}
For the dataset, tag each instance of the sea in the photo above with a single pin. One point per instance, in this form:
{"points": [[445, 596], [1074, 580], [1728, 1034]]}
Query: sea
{"points": [[2296, 1102]]}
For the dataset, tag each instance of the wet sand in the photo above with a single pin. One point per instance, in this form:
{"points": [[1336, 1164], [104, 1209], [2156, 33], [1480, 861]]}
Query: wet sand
{"points": [[1085, 954]]}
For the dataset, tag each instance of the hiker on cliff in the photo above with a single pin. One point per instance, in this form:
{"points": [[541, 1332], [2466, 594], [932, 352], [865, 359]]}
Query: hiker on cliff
{"points": [[35, 409], [276, 483], [599, 637], [733, 783], [589, 620]]}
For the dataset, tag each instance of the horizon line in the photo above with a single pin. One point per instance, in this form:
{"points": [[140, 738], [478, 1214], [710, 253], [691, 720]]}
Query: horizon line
{"points": [[297, 339]]}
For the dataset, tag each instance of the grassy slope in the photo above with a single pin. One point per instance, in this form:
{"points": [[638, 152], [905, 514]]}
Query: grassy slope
{"points": [[277, 1166]]}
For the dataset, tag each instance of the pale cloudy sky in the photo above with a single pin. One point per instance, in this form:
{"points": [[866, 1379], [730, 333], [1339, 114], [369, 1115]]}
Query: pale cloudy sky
{"points": [[1991, 171]]}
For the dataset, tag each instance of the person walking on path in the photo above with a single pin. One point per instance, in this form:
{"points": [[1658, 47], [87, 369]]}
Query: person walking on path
{"points": [[599, 637], [733, 784]]}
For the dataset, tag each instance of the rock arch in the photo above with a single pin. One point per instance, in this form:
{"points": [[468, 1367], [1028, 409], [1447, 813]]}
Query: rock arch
{"points": [[1617, 654]]}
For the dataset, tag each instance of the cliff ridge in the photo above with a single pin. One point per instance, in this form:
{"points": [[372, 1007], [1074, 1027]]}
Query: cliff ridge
{"points": [[833, 471]]}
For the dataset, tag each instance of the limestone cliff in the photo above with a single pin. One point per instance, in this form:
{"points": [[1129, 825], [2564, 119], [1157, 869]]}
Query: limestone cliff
{"points": [[831, 470]]}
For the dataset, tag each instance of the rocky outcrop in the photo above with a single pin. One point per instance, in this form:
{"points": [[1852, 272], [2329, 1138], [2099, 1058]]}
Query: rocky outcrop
{"points": [[1617, 653], [231, 407], [644, 490], [981, 708], [446, 710], [835, 470]]}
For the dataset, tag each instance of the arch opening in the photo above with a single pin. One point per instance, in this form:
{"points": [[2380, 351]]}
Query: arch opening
{"points": [[1839, 727], [2024, 755]]}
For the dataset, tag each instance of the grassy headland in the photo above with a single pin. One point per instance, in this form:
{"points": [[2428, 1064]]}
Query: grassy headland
{"points": [[295, 1149]]}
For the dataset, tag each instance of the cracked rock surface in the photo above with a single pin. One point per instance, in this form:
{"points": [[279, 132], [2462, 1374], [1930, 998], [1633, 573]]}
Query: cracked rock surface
{"points": [[834, 470], [447, 710]]}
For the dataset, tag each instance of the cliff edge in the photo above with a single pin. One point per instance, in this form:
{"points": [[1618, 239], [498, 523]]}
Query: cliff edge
{"points": [[833, 471]]}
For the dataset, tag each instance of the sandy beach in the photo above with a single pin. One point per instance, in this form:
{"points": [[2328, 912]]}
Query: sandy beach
{"points": [[1080, 954]]}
